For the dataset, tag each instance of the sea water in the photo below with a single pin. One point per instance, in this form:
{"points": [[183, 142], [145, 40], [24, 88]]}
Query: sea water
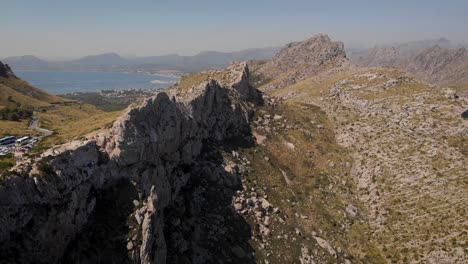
{"points": [[62, 82]]}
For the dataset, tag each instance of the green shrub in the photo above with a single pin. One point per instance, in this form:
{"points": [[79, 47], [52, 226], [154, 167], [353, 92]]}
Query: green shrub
{"points": [[44, 167]]}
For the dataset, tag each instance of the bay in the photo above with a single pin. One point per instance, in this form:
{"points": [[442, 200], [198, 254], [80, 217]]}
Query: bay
{"points": [[62, 82]]}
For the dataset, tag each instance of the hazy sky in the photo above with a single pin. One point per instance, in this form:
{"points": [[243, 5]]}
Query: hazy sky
{"points": [[63, 28]]}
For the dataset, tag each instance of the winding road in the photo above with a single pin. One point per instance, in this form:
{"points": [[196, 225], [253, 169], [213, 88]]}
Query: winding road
{"points": [[35, 125]]}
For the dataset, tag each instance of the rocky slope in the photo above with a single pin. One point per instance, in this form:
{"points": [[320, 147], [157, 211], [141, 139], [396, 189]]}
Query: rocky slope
{"points": [[435, 64], [408, 143]]}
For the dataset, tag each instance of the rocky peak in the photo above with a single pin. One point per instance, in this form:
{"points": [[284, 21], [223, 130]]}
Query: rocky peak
{"points": [[315, 51], [5, 71], [300, 60]]}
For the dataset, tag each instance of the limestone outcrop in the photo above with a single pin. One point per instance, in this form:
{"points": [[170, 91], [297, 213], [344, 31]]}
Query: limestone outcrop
{"points": [[153, 162], [300, 60]]}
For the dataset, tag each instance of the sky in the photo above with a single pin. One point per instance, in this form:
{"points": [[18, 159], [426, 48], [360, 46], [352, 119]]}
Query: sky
{"points": [[69, 29]]}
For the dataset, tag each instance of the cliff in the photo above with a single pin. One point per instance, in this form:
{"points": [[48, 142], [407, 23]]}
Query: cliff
{"points": [[150, 154]]}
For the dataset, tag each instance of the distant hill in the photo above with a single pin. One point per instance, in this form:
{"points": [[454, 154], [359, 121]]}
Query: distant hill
{"points": [[100, 60], [114, 62], [404, 48], [436, 61], [27, 62], [414, 47]]}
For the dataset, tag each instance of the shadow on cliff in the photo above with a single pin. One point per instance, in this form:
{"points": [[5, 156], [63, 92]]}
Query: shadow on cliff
{"points": [[104, 237], [202, 226]]}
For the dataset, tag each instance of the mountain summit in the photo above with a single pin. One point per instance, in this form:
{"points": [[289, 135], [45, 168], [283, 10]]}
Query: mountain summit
{"points": [[299, 60], [315, 51]]}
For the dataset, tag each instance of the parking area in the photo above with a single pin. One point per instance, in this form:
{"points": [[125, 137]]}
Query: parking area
{"points": [[17, 146]]}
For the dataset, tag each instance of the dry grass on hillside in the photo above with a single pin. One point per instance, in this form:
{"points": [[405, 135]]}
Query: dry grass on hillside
{"points": [[9, 97], [319, 190], [74, 121], [409, 158], [19, 128], [29, 91]]}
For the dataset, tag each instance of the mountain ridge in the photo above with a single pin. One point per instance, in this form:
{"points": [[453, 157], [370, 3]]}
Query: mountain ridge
{"points": [[438, 62], [114, 62]]}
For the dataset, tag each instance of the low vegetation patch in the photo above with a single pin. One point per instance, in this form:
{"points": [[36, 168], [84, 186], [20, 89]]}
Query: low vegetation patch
{"points": [[304, 172], [74, 121], [15, 114], [6, 162]]}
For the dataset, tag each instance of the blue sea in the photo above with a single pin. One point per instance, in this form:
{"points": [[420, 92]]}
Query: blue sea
{"points": [[62, 82]]}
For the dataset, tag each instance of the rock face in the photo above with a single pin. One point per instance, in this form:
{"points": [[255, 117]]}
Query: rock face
{"points": [[5, 71], [160, 156], [299, 60]]}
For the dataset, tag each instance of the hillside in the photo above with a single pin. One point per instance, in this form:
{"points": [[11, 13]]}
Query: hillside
{"points": [[14, 90]]}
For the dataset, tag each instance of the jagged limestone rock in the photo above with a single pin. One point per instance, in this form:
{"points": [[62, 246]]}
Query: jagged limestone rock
{"points": [[157, 146]]}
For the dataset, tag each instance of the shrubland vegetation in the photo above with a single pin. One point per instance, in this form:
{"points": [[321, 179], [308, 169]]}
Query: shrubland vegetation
{"points": [[15, 114]]}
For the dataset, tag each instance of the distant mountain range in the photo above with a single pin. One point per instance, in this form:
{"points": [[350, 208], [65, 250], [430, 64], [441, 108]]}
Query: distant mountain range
{"points": [[405, 48], [435, 61], [114, 62]]}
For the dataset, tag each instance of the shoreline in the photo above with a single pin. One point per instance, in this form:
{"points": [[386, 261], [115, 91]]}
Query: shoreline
{"points": [[174, 74]]}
